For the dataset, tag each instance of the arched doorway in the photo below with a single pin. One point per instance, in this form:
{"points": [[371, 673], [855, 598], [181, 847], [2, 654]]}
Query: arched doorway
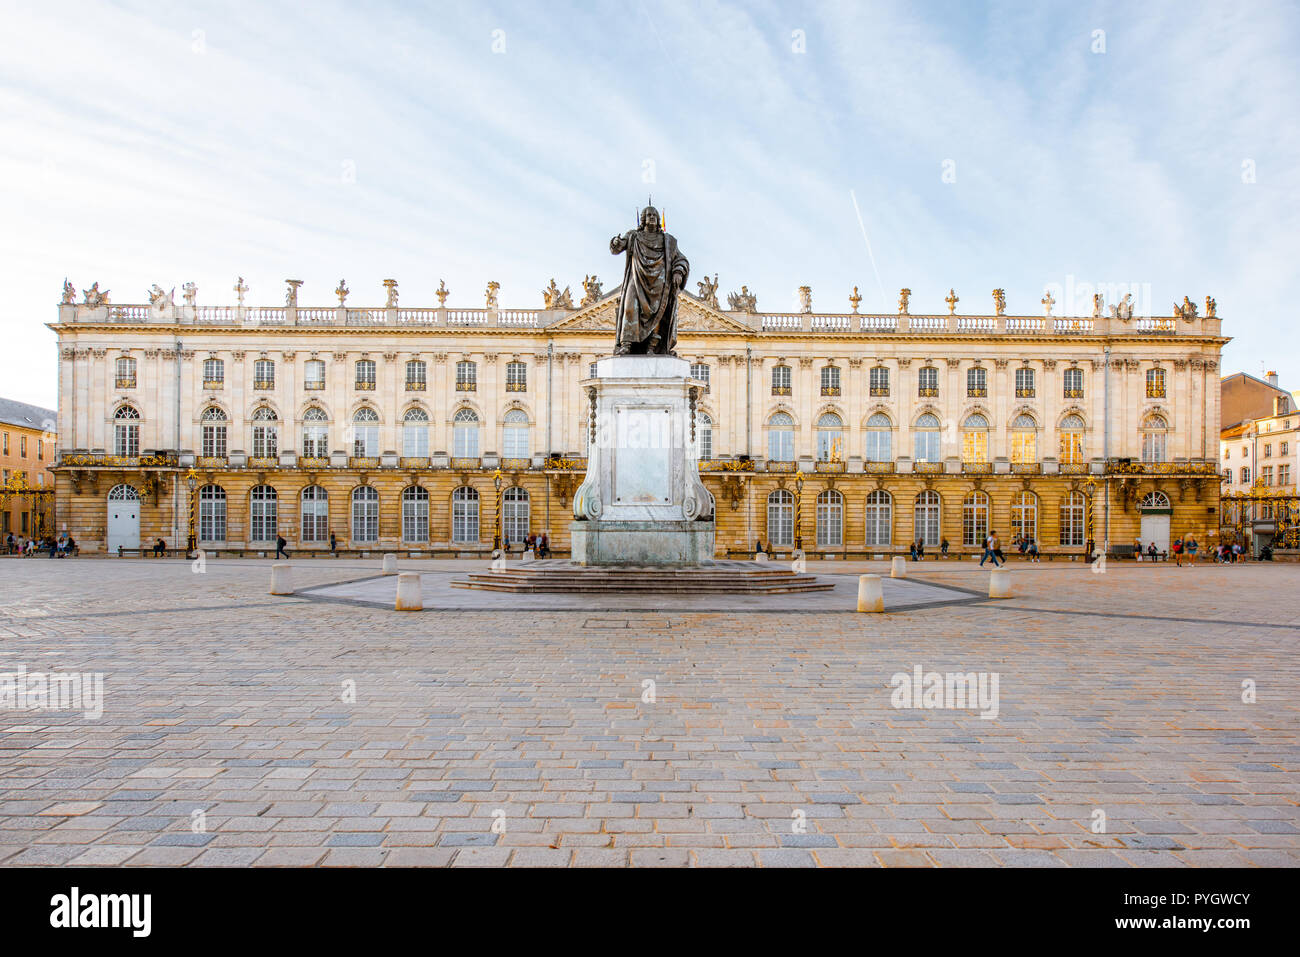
{"points": [[123, 518], [1155, 511]]}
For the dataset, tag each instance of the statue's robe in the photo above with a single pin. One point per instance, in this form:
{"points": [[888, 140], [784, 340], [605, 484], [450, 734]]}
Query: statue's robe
{"points": [[647, 305]]}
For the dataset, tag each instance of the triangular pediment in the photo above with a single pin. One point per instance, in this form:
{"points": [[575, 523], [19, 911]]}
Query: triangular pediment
{"points": [[693, 315]]}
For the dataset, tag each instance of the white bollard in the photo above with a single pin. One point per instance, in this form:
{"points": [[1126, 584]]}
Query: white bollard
{"points": [[529, 558], [281, 579], [870, 596], [898, 567], [999, 583], [760, 556], [408, 592], [390, 564]]}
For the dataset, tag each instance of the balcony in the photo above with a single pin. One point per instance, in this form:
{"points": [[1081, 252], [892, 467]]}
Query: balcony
{"points": [[828, 466], [314, 385], [562, 464], [262, 461], [364, 462], [1155, 391], [365, 385], [516, 465], [125, 382], [466, 386], [726, 465], [1074, 468], [977, 392], [516, 386], [466, 462], [414, 386], [263, 384], [414, 461], [780, 390], [977, 468], [928, 468], [214, 383], [880, 390], [211, 462], [779, 466], [830, 390], [314, 462], [927, 391], [1023, 392], [878, 467], [1073, 393], [1027, 468]]}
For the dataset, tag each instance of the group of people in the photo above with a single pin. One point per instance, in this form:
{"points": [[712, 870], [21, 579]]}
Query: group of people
{"points": [[1028, 547], [539, 545], [27, 547]]}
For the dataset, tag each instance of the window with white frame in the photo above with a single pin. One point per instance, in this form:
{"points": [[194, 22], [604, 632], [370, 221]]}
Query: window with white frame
{"points": [[415, 514], [126, 432], [415, 434], [780, 518], [365, 514], [365, 433], [464, 514], [780, 438], [213, 433], [880, 438], [514, 435], [315, 433], [464, 434], [879, 517]]}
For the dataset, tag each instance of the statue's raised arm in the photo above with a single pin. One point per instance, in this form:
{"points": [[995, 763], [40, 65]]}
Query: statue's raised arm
{"points": [[619, 243]]}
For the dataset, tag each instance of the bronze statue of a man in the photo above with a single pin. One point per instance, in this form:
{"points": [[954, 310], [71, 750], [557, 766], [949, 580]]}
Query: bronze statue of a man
{"points": [[653, 276]]}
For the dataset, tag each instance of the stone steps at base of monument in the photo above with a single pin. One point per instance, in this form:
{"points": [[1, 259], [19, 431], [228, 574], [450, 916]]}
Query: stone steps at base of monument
{"points": [[641, 580]]}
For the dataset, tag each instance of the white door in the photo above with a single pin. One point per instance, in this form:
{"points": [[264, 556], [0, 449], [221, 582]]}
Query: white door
{"points": [[1155, 528], [123, 518]]}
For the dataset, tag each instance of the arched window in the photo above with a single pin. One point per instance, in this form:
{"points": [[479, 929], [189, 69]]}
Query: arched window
{"points": [[365, 375], [416, 375], [830, 380], [464, 429], [266, 433], [780, 518], [1024, 440], [1154, 500], [830, 438], [212, 513], [704, 435], [464, 515], [780, 380], [262, 514], [974, 439], [213, 432], [830, 519], [879, 381], [1072, 381], [780, 438], [514, 513], [1155, 439], [315, 433], [515, 444], [977, 382], [415, 434], [1071, 432], [974, 518], [927, 382], [925, 517], [313, 377], [315, 514], [1024, 515], [415, 514], [1073, 508], [126, 431], [880, 438], [925, 439], [365, 433], [125, 373], [1155, 383], [879, 517], [365, 514], [123, 493]]}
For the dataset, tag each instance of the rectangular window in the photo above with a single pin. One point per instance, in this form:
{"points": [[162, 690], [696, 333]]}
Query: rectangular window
{"points": [[1284, 475], [365, 375], [22, 446], [977, 382], [700, 370], [264, 374], [466, 377], [1024, 383], [314, 374], [781, 380], [830, 380], [516, 377], [1268, 450], [1266, 474], [879, 384], [927, 382]]}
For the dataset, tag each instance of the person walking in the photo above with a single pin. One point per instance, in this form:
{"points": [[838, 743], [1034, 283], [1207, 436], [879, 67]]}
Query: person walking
{"points": [[1177, 549], [280, 544], [1191, 548], [990, 550]]}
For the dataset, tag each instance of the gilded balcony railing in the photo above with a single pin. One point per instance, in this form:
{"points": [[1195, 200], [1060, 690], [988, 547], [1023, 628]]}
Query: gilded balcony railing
{"points": [[976, 468], [262, 461], [365, 385], [466, 386], [927, 467], [878, 467], [778, 466], [780, 390], [414, 386], [263, 383], [514, 465], [466, 462], [562, 464], [828, 466], [830, 390], [211, 462], [214, 383], [364, 462], [977, 391], [313, 385], [125, 382], [927, 391], [1155, 391], [1073, 393], [1027, 468], [1025, 392], [414, 461], [313, 462], [879, 390], [516, 386]]}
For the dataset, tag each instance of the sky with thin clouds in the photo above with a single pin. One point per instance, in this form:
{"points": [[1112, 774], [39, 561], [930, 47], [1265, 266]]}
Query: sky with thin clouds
{"points": [[965, 145]]}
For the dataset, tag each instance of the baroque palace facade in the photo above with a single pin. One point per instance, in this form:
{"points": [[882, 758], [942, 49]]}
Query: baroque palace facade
{"points": [[435, 430]]}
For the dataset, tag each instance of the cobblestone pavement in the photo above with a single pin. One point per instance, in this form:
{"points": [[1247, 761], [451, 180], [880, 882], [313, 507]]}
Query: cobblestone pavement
{"points": [[771, 739]]}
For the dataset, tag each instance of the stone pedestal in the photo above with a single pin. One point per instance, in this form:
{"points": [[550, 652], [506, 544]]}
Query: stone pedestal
{"points": [[642, 502]]}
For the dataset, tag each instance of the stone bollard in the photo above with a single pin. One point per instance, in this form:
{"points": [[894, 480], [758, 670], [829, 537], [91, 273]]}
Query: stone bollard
{"points": [[408, 592], [898, 567], [760, 557], [390, 564], [529, 557], [281, 579], [870, 596], [999, 583]]}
